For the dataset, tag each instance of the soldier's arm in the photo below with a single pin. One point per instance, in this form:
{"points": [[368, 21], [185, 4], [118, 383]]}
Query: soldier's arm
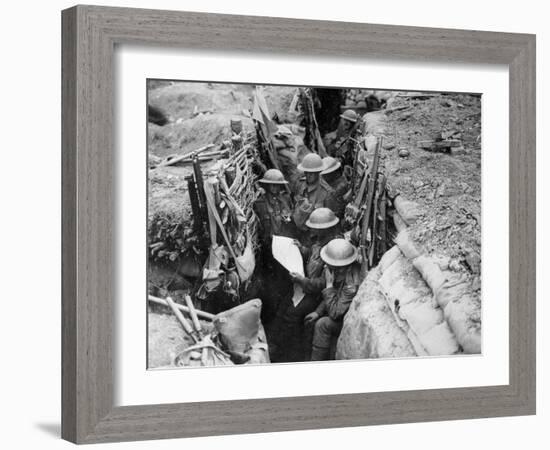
{"points": [[314, 285], [322, 308], [337, 306]]}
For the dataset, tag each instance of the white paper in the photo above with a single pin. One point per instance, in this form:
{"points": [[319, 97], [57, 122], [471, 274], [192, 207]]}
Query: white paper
{"points": [[287, 253], [298, 294]]}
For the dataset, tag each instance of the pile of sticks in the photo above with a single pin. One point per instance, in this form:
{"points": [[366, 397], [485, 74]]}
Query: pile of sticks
{"points": [[204, 351]]}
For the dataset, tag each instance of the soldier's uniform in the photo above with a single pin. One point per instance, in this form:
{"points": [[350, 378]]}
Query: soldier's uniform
{"points": [[318, 195], [292, 341], [274, 215], [336, 300], [310, 196], [338, 143], [339, 184]]}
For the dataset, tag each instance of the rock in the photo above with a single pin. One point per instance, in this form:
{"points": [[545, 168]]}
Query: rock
{"points": [[388, 146], [474, 262], [404, 152], [458, 150]]}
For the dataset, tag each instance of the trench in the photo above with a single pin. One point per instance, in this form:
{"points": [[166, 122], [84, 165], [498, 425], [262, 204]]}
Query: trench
{"points": [[269, 282], [383, 319]]}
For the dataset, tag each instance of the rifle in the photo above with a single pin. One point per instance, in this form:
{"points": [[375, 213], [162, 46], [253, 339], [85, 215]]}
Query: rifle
{"points": [[383, 220], [373, 250], [368, 204], [353, 210], [313, 127], [268, 148], [354, 136]]}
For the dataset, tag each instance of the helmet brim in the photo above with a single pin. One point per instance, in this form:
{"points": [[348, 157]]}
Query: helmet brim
{"points": [[332, 169], [283, 182], [349, 119], [338, 262], [301, 168], [322, 226]]}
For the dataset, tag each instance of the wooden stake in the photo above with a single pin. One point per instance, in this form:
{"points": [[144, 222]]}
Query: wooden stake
{"points": [[202, 314]]}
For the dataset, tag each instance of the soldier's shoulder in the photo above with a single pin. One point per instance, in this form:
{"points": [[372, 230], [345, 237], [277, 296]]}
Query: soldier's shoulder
{"points": [[327, 187], [355, 273], [330, 136], [342, 185]]}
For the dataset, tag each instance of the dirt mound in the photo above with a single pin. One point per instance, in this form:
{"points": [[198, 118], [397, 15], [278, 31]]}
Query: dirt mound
{"points": [[191, 134], [431, 292], [181, 99], [446, 186], [200, 113]]}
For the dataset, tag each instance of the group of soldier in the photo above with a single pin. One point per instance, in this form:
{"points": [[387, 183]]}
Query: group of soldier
{"points": [[309, 208]]}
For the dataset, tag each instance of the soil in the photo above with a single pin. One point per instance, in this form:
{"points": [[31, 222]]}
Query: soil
{"points": [[447, 186]]}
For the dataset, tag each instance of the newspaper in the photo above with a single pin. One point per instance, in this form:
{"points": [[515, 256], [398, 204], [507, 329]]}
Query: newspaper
{"points": [[287, 253]]}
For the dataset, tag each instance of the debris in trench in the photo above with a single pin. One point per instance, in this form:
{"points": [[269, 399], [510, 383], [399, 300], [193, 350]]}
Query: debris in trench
{"points": [[235, 336], [442, 145]]}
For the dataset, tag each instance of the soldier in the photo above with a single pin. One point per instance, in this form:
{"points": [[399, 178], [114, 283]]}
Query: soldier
{"points": [[342, 275], [291, 340], [338, 182], [337, 142], [273, 208], [312, 192]]}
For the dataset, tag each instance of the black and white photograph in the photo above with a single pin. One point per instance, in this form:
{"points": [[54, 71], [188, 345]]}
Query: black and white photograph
{"points": [[291, 224]]}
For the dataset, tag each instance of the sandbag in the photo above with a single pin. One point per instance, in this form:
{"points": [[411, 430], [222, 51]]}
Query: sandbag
{"points": [[409, 211], [440, 340], [246, 263], [463, 316], [430, 271], [238, 327], [453, 288], [399, 223], [389, 258], [190, 265], [406, 245]]}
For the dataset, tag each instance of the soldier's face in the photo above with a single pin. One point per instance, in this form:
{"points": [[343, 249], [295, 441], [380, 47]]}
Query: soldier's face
{"points": [[338, 272], [274, 189], [312, 177], [347, 125]]}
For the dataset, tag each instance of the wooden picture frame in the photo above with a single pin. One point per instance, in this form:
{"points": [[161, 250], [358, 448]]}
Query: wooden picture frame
{"points": [[90, 34]]}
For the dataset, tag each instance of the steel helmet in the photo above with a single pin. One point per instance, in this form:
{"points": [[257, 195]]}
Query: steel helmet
{"points": [[322, 218], [349, 114], [312, 162], [339, 253], [273, 176], [331, 165], [283, 131]]}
